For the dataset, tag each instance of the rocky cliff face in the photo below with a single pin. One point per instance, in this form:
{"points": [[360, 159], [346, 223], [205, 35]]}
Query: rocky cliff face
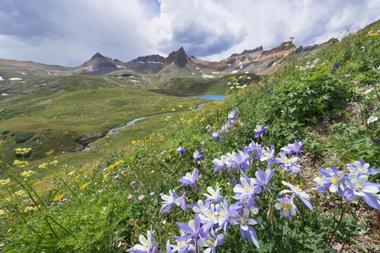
{"points": [[179, 58], [146, 64], [100, 64]]}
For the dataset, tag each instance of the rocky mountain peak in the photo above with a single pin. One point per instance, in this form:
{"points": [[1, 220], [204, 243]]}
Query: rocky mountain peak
{"points": [[179, 57]]}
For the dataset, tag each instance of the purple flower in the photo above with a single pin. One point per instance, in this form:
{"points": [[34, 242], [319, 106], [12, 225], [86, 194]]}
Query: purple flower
{"points": [[246, 190], [294, 148], [172, 199], [190, 179], [376, 141], [213, 195], [219, 164], [181, 150], [182, 245], [267, 154], [233, 117], [197, 155], [239, 160], [246, 226], [216, 136], [288, 163], [359, 186], [296, 191], [361, 167], [210, 243], [223, 214], [335, 67], [260, 131], [192, 229], [263, 177], [332, 179], [147, 244], [286, 207]]}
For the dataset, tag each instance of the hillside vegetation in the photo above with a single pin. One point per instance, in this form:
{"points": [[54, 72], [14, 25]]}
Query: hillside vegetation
{"points": [[328, 100]]}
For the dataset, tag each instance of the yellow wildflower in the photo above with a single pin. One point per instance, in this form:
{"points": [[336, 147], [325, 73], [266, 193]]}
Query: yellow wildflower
{"points": [[20, 193], [20, 163], [30, 209], [133, 142], [71, 173], [84, 186], [23, 151], [55, 162], [2, 212], [43, 166], [5, 181], [27, 173], [58, 197], [373, 34]]}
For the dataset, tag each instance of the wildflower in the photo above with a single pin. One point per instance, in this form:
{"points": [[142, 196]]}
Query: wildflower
{"points": [[197, 155], [84, 186], [216, 136], [192, 229], [181, 150], [20, 163], [133, 142], [211, 243], [223, 215], [294, 148], [27, 173], [208, 217], [172, 199], [372, 119], [260, 131], [263, 177], [20, 193], [29, 209], [43, 165], [246, 226], [58, 197], [2, 212], [332, 179], [152, 194], [361, 167], [4, 182], [141, 197], [219, 164], [359, 186], [335, 67], [297, 192], [246, 190], [190, 179], [130, 196], [147, 244], [213, 195], [23, 151], [71, 173], [182, 245], [233, 117], [239, 160], [286, 207], [267, 154], [289, 163], [54, 162]]}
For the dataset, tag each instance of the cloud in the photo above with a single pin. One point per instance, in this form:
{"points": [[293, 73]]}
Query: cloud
{"points": [[203, 27], [68, 32]]}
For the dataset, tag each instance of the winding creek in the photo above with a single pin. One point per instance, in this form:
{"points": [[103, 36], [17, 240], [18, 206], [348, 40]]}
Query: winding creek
{"points": [[91, 139]]}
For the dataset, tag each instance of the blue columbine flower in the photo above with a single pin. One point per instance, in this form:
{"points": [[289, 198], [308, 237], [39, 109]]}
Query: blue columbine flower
{"points": [[332, 179], [190, 179], [246, 190], [263, 177], [197, 155], [147, 244], [233, 117], [289, 163], [213, 195], [219, 164], [168, 200], [246, 226], [361, 167], [239, 160], [182, 245], [181, 150], [216, 136], [286, 207], [359, 186], [293, 148], [267, 154], [210, 243], [192, 229], [260, 131], [297, 192]]}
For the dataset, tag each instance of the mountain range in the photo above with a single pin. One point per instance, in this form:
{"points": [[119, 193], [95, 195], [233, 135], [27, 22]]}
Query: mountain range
{"points": [[159, 68]]}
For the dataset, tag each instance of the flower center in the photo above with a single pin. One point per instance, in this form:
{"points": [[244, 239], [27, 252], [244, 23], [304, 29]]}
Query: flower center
{"points": [[286, 207], [358, 186], [334, 180]]}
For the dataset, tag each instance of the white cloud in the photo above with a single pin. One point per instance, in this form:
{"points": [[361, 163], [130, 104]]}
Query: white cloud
{"points": [[70, 31]]}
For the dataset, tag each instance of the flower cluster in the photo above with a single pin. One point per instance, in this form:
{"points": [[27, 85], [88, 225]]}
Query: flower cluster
{"points": [[232, 121], [251, 171], [351, 185]]}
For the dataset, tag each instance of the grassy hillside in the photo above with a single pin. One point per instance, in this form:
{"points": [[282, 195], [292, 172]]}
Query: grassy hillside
{"points": [[324, 100]]}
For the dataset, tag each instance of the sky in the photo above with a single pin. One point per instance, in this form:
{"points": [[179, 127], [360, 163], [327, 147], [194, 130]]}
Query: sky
{"points": [[68, 32]]}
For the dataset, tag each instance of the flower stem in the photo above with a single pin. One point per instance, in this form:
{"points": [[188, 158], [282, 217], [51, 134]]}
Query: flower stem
{"points": [[343, 210]]}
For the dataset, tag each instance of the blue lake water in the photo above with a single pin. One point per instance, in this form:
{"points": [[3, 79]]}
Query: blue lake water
{"points": [[212, 97]]}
